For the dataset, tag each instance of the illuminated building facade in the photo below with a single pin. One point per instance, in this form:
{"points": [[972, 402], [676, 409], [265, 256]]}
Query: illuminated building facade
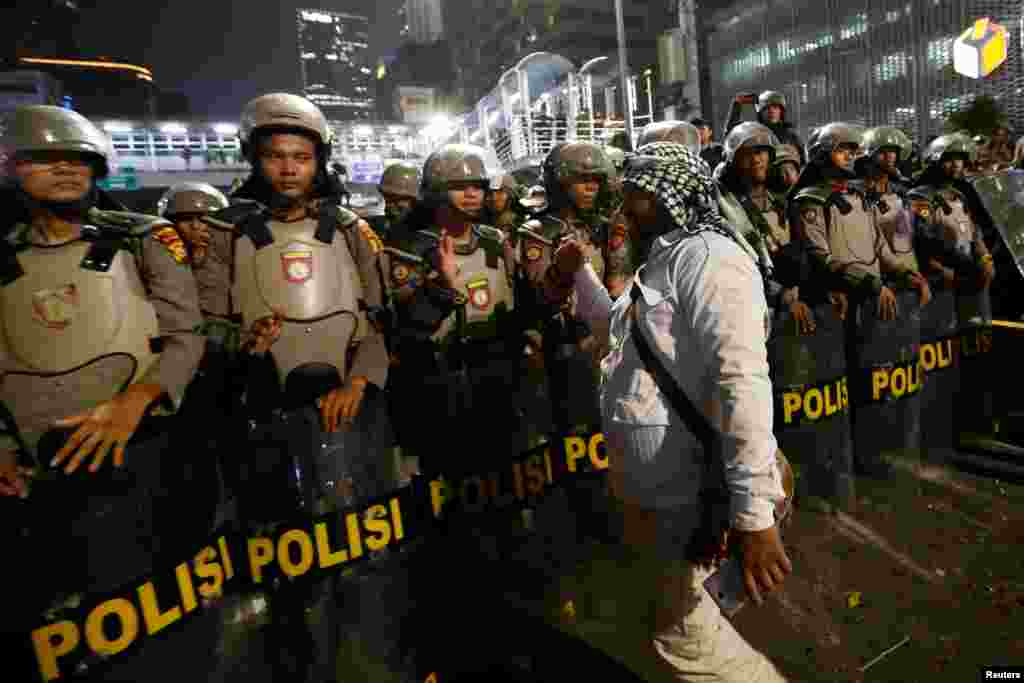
{"points": [[873, 62], [334, 63]]}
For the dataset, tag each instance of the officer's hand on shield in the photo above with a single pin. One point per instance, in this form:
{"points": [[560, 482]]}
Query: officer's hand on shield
{"points": [[840, 303], [446, 261], [988, 273], [108, 426], [765, 563], [886, 304], [265, 332], [920, 283], [948, 274], [13, 479], [801, 313], [341, 406]]}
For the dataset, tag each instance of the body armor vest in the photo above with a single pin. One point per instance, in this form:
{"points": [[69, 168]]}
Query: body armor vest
{"points": [[852, 237], [896, 225], [956, 229], [484, 284], [312, 285], [74, 334]]}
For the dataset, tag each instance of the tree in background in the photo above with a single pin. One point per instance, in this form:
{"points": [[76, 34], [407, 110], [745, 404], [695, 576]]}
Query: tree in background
{"points": [[980, 117]]}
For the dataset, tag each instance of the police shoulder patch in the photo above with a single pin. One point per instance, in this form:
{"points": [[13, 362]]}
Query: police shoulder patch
{"points": [[172, 242], [534, 250], [376, 245]]}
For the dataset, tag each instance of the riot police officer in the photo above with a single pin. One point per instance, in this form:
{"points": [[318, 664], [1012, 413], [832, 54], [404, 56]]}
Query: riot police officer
{"points": [[459, 344], [785, 169], [100, 309], [884, 149], [842, 239], [501, 200], [399, 186], [951, 244], [770, 107], [760, 216], [574, 175], [205, 409], [307, 275]]}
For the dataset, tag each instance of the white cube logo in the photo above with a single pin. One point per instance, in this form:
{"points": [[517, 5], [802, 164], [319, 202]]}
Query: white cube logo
{"points": [[981, 49]]}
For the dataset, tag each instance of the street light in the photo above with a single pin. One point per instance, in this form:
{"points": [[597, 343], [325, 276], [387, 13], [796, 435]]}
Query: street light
{"points": [[624, 70], [173, 129], [117, 127]]}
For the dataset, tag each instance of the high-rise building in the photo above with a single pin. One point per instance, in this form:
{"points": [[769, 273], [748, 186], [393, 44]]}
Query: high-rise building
{"points": [[424, 21], [884, 62], [334, 61]]}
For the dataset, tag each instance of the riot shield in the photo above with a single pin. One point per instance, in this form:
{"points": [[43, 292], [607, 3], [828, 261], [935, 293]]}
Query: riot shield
{"points": [[812, 417], [1002, 196], [886, 382], [940, 358]]}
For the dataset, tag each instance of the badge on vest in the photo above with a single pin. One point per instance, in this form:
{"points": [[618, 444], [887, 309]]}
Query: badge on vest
{"points": [[55, 308], [479, 292], [371, 237], [533, 252], [297, 262]]}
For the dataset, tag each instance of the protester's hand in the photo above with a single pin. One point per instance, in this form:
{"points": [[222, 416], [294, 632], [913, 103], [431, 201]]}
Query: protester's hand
{"points": [[920, 283], [570, 256], [340, 407], [804, 318], [108, 426], [446, 260], [887, 304], [765, 563], [13, 479], [840, 303]]}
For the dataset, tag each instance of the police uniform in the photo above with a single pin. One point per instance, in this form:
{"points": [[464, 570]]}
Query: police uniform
{"points": [[112, 306], [319, 272]]}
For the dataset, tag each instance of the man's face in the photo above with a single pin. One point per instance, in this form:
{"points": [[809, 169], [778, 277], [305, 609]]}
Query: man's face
{"points": [[752, 164], [773, 113], [54, 176], [1000, 137], [289, 163], [842, 156], [640, 210], [790, 173], [705, 135], [953, 166], [196, 233], [467, 197], [582, 190], [499, 200]]}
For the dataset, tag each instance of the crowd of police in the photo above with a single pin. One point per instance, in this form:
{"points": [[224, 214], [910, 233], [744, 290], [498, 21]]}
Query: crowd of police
{"points": [[274, 350]]}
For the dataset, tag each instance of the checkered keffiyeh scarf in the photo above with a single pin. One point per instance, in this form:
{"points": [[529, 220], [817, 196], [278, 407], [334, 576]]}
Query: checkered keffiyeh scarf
{"points": [[682, 185]]}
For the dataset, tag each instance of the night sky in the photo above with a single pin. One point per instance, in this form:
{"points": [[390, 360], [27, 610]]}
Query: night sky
{"points": [[220, 53]]}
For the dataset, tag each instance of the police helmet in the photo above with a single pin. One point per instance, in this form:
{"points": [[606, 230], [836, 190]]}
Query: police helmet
{"points": [[191, 198], [284, 112], [749, 134], [400, 179], [43, 128], [452, 163]]}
